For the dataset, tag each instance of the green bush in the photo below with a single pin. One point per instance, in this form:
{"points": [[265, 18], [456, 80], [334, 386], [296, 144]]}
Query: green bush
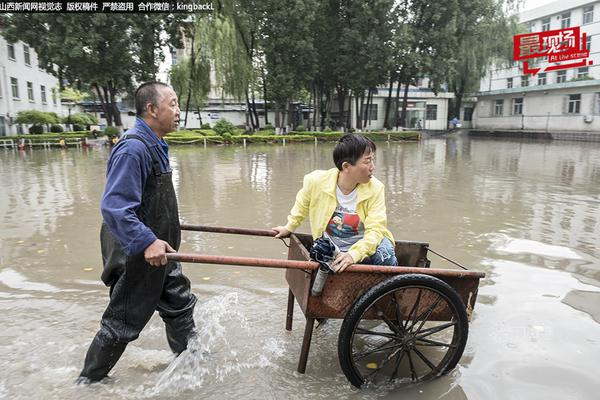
{"points": [[77, 127], [55, 128], [36, 117], [111, 131], [205, 126], [36, 129], [300, 128], [223, 126], [327, 129], [267, 127], [227, 136], [81, 119]]}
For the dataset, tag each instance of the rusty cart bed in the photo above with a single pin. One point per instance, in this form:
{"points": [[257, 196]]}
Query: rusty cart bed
{"points": [[404, 324]]}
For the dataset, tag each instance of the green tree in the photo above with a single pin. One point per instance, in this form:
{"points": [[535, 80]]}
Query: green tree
{"points": [[484, 35], [37, 118], [288, 51], [105, 52]]}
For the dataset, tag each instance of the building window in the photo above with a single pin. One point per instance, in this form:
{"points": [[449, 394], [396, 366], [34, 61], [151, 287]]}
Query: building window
{"points": [[583, 72], [54, 96], [431, 112], [11, 51], [509, 82], [542, 78], [43, 92], [524, 80], [545, 24], [468, 114], [565, 20], [14, 83], [499, 107], [26, 55], [518, 106], [561, 76], [574, 103], [588, 15], [588, 43], [30, 91], [371, 112]]}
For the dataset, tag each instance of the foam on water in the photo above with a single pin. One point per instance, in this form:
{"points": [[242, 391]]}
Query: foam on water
{"points": [[201, 362], [505, 244], [15, 280]]}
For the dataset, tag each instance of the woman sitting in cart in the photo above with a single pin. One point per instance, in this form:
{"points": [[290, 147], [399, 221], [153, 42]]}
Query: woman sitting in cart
{"points": [[346, 207]]}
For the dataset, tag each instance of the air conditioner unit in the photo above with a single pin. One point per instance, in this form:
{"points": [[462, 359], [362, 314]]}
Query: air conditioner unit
{"points": [[588, 119]]}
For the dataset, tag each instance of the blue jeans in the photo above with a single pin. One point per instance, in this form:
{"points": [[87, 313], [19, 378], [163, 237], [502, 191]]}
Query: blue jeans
{"points": [[384, 255]]}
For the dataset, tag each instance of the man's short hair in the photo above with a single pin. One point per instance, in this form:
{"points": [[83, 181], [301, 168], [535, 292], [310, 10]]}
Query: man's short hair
{"points": [[350, 148], [148, 92]]}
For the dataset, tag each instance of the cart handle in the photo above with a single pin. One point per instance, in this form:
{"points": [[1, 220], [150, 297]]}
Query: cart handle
{"points": [[312, 265], [221, 229]]}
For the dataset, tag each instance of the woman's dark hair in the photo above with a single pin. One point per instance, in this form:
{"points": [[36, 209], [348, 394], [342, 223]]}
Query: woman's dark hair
{"points": [[350, 148]]}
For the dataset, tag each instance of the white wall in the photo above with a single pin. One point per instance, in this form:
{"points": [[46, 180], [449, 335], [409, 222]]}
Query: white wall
{"points": [[542, 111], [16, 68]]}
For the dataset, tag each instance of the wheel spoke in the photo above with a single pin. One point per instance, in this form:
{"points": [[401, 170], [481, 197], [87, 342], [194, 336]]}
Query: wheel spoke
{"points": [[363, 331], [430, 331], [381, 347], [426, 360], [391, 324], [429, 342], [413, 373], [414, 309], [383, 363], [398, 313], [397, 367], [426, 314]]}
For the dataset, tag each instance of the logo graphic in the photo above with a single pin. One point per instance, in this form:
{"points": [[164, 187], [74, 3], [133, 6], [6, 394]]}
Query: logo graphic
{"points": [[560, 46]]}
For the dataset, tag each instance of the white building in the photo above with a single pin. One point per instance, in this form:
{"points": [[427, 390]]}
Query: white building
{"points": [[425, 110], [24, 86], [557, 101]]}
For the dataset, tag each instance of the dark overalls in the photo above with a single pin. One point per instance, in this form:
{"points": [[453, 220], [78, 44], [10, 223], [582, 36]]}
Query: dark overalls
{"points": [[137, 289]]}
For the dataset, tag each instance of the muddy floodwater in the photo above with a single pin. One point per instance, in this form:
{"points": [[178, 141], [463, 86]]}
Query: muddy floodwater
{"points": [[525, 213]]}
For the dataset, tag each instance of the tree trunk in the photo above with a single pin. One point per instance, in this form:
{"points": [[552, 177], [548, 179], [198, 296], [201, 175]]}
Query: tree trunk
{"points": [[266, 107], [189, 91], [113, 105], [110, 112], [396, 104], [386, 122], [256, 126], [404, 103], [341, 105], [103, 103]]}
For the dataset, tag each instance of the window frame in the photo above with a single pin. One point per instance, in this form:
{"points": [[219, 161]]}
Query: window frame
{"points": [[518, 105], [27, 55], [565, 17], [544, 76], [10, 48], [14, 86], [30, 94], [429, 110], [574, 104], [498, 107], [586, 13]]}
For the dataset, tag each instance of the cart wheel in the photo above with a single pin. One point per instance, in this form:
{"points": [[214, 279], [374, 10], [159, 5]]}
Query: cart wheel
{"points": [[404, 330]]}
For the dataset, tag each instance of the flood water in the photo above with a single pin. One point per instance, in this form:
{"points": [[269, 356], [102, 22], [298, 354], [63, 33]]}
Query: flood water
{"points": [[525, 213]]}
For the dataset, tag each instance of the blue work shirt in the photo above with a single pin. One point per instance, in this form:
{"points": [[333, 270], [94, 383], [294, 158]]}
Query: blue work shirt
{"points": [[129, 166]]}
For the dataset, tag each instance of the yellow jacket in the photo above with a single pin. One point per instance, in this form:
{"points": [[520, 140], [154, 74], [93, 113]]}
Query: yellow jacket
{"points": [[318, 201]]}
